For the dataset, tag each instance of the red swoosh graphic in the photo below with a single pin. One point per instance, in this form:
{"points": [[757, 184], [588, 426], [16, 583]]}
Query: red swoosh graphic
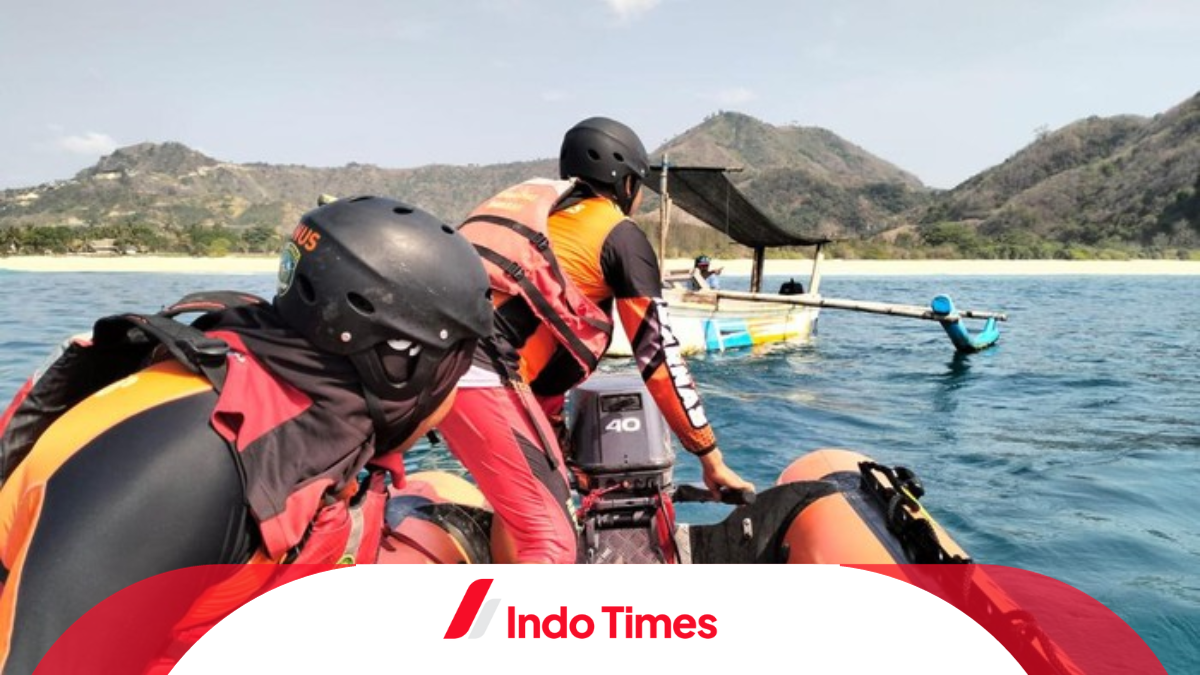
{"points": [[1050, 627], [468, 609]]}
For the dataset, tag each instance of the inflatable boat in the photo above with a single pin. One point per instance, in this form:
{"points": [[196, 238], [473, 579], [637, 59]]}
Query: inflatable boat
{"points": [[828, 506]]}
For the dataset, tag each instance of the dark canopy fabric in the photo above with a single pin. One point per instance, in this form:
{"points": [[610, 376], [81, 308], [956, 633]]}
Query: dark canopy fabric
{"points": [[707, 194]]}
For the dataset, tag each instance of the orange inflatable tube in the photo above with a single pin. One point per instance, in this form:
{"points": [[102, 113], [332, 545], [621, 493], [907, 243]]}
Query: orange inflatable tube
{"points": [[870, 516], [850, 527]]}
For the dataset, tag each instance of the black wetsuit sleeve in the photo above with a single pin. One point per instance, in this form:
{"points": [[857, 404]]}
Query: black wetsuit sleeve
{"points": [[629, 264], [631, 270]]}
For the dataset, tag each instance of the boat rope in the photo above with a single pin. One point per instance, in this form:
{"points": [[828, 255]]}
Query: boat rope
{"points": [[589, 501], [664, 515], [387, 544]]}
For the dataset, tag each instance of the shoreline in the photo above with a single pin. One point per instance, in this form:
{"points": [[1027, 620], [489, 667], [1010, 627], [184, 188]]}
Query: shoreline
{"points": [[799, 268]]}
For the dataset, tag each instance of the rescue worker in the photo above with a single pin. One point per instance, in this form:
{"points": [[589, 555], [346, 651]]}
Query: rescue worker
{"points": [[378, 310], [597, 255]]}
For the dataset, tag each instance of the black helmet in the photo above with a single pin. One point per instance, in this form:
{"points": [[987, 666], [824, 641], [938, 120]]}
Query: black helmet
{"points": [[388, 286], [703, 261], [605, 152]]}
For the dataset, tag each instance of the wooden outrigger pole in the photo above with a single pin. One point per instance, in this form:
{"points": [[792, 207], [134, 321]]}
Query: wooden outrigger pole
{"points": [[941, 309], [890, 309]]}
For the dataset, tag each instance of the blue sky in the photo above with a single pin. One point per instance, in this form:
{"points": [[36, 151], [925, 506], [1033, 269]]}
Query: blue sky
{"points": [[942, 88]]}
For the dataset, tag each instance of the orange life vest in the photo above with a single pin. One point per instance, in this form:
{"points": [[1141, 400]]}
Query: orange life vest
{"points": [[509, 232]]}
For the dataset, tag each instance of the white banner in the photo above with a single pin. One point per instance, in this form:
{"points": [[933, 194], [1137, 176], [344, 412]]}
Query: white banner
{"points": [[790, 618]]}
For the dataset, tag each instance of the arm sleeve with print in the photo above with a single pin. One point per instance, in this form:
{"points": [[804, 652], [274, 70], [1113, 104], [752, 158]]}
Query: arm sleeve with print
{"points": [[631, 271]]}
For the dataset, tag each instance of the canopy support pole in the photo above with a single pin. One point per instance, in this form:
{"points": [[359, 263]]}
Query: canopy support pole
{"points": [[756, 273], [664, 219], [814, 280]]}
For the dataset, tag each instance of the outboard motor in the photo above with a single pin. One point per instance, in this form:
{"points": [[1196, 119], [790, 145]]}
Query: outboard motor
{"points": [[623, 462], [791, 287]]}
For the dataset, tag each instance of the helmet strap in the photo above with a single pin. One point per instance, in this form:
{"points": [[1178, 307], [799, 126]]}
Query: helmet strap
{"points": [[626, 192], [597, 189], [617, 193]]}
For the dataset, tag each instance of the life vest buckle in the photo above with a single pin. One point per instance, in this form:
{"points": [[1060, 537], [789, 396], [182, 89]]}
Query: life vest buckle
{"points": [[206, 352], [514, 270]]}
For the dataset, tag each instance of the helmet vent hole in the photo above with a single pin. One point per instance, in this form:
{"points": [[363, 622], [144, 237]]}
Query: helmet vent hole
{"points": [[619, 157], [402, 210], [363, 198], [593, 155], [447, 229], [307, 294], [360, 304]]}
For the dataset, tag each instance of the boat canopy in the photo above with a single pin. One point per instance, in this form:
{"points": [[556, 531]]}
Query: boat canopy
{"points": [[709, 195]]}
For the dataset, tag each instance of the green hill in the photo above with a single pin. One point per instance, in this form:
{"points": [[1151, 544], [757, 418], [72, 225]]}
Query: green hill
{"points": [[803, 175], [1127, 183], [1102, 182]]}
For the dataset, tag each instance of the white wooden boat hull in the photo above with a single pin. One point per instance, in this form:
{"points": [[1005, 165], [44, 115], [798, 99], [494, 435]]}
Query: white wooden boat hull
{"points": [[728, 324]]}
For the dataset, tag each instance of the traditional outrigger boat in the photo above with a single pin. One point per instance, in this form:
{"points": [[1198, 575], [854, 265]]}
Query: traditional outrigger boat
{"points": [[716, 320]]}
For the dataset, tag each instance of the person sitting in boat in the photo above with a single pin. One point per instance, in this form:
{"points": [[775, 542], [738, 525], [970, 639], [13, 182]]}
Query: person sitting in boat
{"points": [[246, 444], [553, 309], [702, 267], [791, 287]]}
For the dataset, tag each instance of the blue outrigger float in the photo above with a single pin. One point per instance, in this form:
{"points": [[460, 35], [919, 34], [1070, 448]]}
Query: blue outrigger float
{"points": [[716, 320]]}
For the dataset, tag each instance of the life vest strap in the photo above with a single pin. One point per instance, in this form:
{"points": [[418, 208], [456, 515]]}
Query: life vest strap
{"points": [[539, 239], [542, 306], [189, 346], [120, 346]]}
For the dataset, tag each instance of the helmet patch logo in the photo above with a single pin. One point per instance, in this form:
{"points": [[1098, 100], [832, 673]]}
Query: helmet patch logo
{"points": [[289, 258], [306, 237]]}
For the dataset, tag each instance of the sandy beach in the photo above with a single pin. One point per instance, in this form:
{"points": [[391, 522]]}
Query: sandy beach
{"points": [[799, 268], [958, 268]]}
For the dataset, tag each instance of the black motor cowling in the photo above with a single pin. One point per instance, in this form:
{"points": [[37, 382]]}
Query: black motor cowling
{"points": [[619, 436], [622, 459]]}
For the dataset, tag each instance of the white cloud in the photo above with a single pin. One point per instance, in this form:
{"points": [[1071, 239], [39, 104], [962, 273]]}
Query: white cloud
{"points": [[735, 96], [629, 9], [91, 143]]}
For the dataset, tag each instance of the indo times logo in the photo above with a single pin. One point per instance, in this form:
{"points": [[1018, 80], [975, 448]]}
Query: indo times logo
{"points": [[469, 608], [475, 613]]}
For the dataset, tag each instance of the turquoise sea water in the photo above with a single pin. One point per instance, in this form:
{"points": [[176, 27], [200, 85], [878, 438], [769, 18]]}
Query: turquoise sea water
{"points": [[1071, 449]]}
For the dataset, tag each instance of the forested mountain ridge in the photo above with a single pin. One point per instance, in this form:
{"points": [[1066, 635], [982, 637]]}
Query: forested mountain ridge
{"points": [[1121, 182]]}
